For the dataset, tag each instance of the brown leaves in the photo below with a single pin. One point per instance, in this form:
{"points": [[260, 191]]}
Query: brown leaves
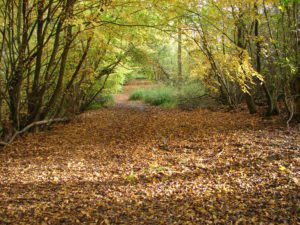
{"points": [[111, 167]]}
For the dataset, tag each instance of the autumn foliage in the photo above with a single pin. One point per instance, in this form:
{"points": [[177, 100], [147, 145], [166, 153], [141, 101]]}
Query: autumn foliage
{"points": [[211, 138], [146, 165]]}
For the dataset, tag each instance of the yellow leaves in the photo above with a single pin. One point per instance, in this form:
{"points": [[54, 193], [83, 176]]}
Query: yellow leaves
{"points": [[157, 168], [296, 181], [281, 8], [273, 41], [106, 221], [132, 177], [56, 179], [237, 68], [243, 4], [282, 168], [202, 210], [290, 174], [233, 65]]}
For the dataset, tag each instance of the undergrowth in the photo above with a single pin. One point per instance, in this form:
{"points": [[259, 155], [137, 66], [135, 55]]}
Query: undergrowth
{"points": [[102, 101], [188, 96]]}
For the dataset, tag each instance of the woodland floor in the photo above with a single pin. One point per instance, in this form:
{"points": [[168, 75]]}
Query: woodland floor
{"points": [[136, 164]]}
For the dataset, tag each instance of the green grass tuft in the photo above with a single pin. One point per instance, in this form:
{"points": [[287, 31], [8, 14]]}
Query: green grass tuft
{"points": [[188, 96], [137, 95], [160, 96]]}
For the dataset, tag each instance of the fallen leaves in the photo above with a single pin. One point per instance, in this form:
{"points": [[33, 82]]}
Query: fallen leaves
{"points": [[111, 167]]}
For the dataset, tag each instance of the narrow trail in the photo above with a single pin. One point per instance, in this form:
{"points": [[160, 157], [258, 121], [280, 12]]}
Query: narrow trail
{"points": [[122, 99], [124, 165]]}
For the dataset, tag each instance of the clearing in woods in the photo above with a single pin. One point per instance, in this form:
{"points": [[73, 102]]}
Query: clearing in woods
{"points": [[124, 165]]}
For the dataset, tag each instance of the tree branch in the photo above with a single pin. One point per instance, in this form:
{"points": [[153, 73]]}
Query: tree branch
{"points": [[38, 123]]}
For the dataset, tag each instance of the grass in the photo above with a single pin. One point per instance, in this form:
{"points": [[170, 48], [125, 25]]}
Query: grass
{"points": [[131, 77], [186, 97], [160, 96], [137, 95]]}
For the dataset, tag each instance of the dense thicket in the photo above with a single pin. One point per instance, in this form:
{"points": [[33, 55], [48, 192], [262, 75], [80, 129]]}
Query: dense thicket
{"points": [[54, 59], [57, 55], [250, 46]]}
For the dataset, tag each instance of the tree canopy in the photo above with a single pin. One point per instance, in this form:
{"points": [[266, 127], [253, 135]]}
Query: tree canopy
{"points": [[58, 56]]}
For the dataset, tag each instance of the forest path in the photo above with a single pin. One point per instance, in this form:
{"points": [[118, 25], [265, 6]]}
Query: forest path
{"points": [[121, 165], [122, 99]]}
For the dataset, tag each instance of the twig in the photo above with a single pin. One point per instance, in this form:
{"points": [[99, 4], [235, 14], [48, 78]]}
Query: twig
{"points": [[290, 110], [3, 143], [38, 123], [290, 118]]}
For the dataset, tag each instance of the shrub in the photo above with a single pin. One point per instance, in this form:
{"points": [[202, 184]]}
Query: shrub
{"points": [[102, 101], [137, 95], [190, 96], [162, 96]]}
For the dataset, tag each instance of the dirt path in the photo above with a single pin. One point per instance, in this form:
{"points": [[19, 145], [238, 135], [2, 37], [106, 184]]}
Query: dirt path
{"points": [[126, 166], [122, 99]]}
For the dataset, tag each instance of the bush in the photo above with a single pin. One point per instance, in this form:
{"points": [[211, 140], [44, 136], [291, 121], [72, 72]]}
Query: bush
{"points": [[137, 95], [133, 76], [102, 101], [164, 96], [190, 96]]}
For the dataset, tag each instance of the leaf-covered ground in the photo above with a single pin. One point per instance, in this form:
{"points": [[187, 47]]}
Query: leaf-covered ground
{"points": [[145, 165]]}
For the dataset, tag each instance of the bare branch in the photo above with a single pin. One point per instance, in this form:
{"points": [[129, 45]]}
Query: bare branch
{"points": [[35, 124]]}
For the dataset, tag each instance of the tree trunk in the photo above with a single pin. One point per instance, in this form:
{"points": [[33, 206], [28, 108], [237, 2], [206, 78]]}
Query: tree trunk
{"points": [[296, 93], [250, 104], [297, 56], [258, 69], [15, 83], [179, 54], [74, 76], [59, 85], [240, 44], [34, 96], [37, 113]]}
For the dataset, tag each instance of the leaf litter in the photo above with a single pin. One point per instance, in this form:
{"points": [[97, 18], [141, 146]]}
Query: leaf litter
{"points": [[156, 166]]}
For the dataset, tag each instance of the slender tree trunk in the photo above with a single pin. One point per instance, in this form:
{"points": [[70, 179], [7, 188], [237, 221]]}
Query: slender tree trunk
{"points": [[258, 68], [59, 85], [296, 10], [74, 76], [15, 83], [248, 96], [37, 113], [34, 96], [179, 54]]}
